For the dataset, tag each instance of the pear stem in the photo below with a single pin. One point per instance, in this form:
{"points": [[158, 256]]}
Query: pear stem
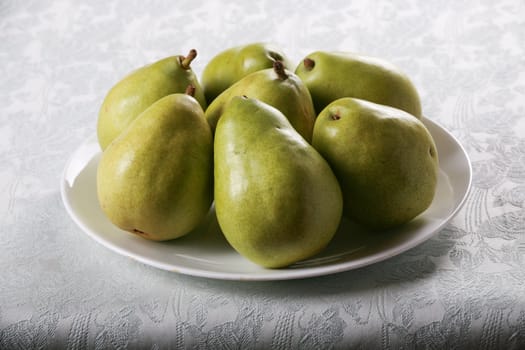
{"points": [[309, 64], [278, 67], [186, 61], [190, 90]]}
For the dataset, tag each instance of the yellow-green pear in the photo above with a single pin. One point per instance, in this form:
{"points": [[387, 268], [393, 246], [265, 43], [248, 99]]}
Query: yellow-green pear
{"points": [[385, 160], [277, 200], [156, 179], [277, 87], [140, 88], [333, 75], [233, 64]]}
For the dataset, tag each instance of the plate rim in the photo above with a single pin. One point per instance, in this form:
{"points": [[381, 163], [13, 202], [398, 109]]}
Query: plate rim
{"points": [[273, 274]]}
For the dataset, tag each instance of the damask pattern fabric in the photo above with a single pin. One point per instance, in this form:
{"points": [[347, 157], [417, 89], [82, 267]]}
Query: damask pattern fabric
{"points": [[462, 289]]}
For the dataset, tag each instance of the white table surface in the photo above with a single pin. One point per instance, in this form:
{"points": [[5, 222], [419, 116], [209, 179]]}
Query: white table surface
{"points": [[464, 288]]}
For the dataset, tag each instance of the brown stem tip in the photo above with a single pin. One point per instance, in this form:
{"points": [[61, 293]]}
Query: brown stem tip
{"points": [[275, 56], [278, 67], [186, 61], [309, 64], [190, 90]]}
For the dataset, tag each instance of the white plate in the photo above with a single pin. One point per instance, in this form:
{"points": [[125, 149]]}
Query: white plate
{"points": [[206, 253]]}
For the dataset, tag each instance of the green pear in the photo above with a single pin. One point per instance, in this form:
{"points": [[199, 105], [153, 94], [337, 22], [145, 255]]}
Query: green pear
{"points": [[140, 88], [156, 179], [384, 158], [332, 75], [277, 200], [231, 65], [277, 87]]}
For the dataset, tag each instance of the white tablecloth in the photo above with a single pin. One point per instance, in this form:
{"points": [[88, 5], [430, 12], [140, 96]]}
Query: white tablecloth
{"points": [[464, 288]]}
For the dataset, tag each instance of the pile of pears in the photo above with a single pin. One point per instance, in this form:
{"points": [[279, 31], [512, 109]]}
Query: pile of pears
{"points": [[284, 155]]}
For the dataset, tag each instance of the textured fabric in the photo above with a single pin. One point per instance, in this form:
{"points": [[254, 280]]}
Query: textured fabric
{"points": [[464, 288]]}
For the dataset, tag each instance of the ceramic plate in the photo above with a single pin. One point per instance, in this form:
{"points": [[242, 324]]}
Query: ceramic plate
{"points": [[206, 253]]}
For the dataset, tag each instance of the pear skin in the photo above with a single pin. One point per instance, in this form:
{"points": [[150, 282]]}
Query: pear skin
{"points": [[156, 179], [277, 87], [277, 200], [140, 88], [385, 160], [233, 64], [333, 75]]}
